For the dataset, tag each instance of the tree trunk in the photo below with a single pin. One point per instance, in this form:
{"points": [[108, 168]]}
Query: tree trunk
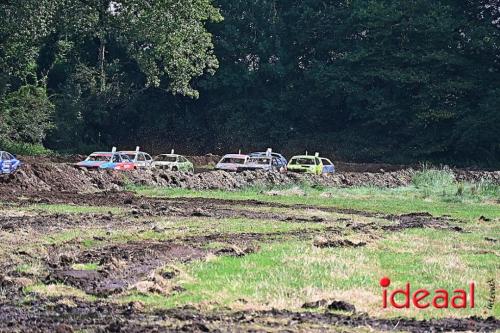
{"points": [[102, 73]]}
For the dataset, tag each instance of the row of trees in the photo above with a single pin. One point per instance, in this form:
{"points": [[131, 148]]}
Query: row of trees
{"points": [[364, 80]]}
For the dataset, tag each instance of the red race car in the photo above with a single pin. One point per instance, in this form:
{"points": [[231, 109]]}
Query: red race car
{"points": [[107, 160]]}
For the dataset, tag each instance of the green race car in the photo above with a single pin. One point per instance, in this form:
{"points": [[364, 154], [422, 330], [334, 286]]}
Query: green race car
{"points": [[306, 164], [173, 162]]}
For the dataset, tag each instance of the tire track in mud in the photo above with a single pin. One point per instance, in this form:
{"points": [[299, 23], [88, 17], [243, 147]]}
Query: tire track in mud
{"points": [[41, 316], [121, 266]]}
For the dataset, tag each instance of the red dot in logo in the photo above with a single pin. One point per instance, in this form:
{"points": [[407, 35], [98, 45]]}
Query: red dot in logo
{"points": [[385, 281]]}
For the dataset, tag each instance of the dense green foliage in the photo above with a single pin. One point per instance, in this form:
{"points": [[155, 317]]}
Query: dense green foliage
{"points": [[364, 80]]}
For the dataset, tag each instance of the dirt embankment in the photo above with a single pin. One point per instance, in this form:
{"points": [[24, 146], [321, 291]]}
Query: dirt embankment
{"points": [[66, 177]]}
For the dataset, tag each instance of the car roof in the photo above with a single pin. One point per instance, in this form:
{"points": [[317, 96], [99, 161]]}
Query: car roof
{"points": [[265, 153], [170, 155], [130, 152], [235, 155], [100, 153], [304, 156], [261, 156]]}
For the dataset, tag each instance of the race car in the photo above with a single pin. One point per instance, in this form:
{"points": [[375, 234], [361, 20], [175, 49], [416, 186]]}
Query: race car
{"points": [[173, 162], [8, 163], [306, 164], [107, 160], [141, 159], [231, 162], [328, 167], [267, 161], [282, 162]]}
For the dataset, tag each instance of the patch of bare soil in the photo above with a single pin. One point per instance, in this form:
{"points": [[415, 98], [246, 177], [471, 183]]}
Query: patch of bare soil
{"points": [[43, 223], [121, 265], [421, 220], [44, 315]]}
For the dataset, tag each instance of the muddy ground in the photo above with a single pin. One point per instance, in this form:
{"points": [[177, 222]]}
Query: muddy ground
{"points": [[133, 251], [147, 263], [45, 175]]}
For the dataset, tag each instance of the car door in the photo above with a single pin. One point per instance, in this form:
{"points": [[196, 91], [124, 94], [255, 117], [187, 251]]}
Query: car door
{"points": [[4, 163], [126, 163], [149, 160], [141, 160], [182, 163], [327, 166], [275, 164], [14, 163], [319, 166]]}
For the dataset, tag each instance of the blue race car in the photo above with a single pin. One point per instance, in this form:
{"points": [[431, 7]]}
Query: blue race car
{"points": [[280, 160], [8, 163], [328, 167]]}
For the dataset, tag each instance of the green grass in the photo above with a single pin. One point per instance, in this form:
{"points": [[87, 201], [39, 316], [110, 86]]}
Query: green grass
{"points": [[441, 183], [58, 290], [73, 209], [91, 266], [287, 274]]}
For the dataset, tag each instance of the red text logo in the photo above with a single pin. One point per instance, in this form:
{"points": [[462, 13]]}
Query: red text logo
{"points": [[422, 298]]}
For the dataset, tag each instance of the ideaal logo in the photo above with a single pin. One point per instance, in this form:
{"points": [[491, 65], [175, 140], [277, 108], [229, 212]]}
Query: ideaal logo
{"points": [[423, 298]]}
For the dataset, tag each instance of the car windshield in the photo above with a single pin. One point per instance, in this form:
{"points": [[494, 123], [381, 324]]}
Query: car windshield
{"points": [[98, 158], [303, 161], [166, 158], [233, 160], [263, 161]]}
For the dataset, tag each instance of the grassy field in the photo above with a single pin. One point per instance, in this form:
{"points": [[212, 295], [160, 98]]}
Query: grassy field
{"points": [[286, 269], [289, 273]]}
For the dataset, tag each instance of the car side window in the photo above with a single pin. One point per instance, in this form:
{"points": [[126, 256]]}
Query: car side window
{"points": [[116, 158], [318, 162], [10, 156], [141, 157], [148, 157], [182, 159]]}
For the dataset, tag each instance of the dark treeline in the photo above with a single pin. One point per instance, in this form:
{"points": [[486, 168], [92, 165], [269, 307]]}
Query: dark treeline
{"points": [[360, 80]]}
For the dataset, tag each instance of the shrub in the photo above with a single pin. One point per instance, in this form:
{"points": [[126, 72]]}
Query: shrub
{"points": [[436, 179], [21, 148]]}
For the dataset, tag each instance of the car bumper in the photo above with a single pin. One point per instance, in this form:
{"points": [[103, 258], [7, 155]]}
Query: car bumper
{"points": [[300, 170], [252, 169], [162, 167]]}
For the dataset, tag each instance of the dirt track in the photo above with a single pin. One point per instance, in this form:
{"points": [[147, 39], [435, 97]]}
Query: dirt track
{"points": [[48, 176]]}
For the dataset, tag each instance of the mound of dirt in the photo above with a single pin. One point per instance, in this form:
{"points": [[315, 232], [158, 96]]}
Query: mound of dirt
{"points": [[33, 177]]}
